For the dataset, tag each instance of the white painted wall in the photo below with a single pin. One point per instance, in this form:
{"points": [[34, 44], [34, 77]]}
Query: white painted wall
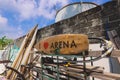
{"points": [[109, 64], [72, 10]]}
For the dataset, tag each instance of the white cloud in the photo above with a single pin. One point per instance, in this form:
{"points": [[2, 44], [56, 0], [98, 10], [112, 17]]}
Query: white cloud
{"points": [[3, 21], [46, 7], [27, 9], [22, 10], [9, 31]]}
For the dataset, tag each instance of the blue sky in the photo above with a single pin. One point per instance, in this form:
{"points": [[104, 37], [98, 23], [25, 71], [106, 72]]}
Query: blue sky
{"points": [[17, 17]]}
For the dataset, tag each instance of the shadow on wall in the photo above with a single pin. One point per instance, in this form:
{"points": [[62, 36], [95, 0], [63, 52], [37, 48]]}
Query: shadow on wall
{"points": [[114, 65], [57, 30]]}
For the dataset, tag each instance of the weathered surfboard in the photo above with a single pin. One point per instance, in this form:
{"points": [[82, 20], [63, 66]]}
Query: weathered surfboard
{"points": [[28, 50], [18, 58], [26, 55], [64, 43]]}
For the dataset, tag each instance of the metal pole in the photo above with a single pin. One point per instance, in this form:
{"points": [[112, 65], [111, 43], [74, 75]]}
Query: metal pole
{"points": [[84, 66], [52, 66], [58, 69], [81, 5], [92, 65]]}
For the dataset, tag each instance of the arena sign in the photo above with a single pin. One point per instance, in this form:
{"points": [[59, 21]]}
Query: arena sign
{"points": [[65, 43]]}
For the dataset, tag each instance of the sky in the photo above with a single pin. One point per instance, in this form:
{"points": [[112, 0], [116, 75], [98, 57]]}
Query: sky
{"points": [[17, 17]]}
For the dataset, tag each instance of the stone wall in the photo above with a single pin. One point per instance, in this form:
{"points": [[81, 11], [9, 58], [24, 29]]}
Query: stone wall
{"points": [[94, 23]]}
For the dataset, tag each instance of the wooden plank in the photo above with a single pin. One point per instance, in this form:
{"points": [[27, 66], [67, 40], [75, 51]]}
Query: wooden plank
{"points": [[94, 73], [92, 68], [103, 76], [26, 55], [21, 51], [5, 61], [114, 75], [79, 68], [77, 75], [106, 76], [66, 43], [22, 56], [62, 73], [28, 50]]}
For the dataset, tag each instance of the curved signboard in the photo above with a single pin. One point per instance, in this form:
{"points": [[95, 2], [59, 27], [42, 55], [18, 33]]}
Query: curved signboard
{"points": [[65, 43]]}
